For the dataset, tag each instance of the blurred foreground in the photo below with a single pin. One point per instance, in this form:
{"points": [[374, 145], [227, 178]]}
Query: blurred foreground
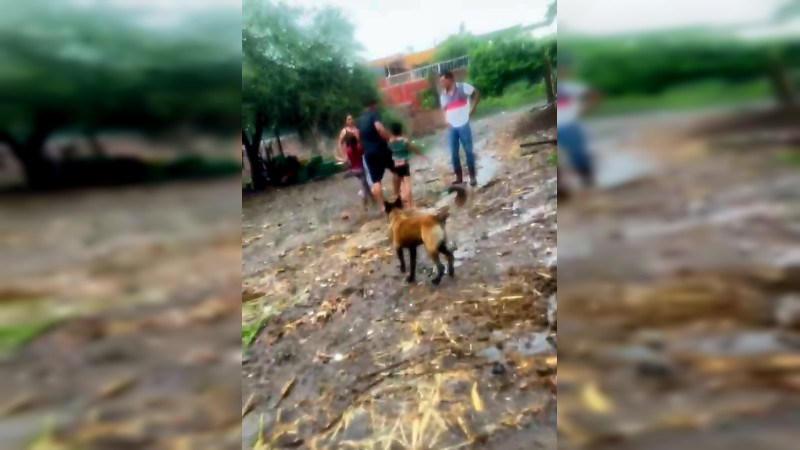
{"points": [[680, 284], [119, 318]]}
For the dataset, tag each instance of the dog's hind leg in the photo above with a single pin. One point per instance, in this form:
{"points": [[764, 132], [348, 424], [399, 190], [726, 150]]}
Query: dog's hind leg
{"points": [[450, 259], [439, 266], [412, 253], [402, 260]]}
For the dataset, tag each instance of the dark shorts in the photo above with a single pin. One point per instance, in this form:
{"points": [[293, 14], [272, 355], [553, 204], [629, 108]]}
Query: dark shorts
{"points": [[376, 164], [402, 170]]}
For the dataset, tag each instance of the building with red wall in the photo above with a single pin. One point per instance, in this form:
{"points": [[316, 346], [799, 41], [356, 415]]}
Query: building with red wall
{"points": [[407, 75]]}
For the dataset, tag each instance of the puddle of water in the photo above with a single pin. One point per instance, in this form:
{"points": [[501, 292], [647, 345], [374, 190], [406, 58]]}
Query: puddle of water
{"points": [[535, 344], [551, 259], [787, 257], [730, 215], [552, 310], [250, 428], [621, 168], [742, 344], [465, 251], [524, 218], [18, 431], [487, 169]]}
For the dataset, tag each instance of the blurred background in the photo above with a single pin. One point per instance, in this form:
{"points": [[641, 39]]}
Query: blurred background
{"points": [[679, 285], [120, 222]]}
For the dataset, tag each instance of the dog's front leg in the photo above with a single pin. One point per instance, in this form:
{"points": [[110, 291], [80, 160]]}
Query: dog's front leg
{"points": [[402, 260], [412, 253]]}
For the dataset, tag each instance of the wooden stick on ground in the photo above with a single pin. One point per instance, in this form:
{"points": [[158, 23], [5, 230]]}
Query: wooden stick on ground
{"points": [[542, 142]]}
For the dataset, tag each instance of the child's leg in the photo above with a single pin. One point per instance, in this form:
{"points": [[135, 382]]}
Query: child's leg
{"points": [[408, 202], [366, 194], [397, 182]]}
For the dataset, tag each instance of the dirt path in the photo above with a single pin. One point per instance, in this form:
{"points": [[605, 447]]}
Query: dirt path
{"points": [[679, 299], [350, 356], [125, 304]]}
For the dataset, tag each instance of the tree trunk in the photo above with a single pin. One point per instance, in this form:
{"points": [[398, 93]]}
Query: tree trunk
{"points": [[268, 152], [94, 144], [314, 139], [781, 83], [251, 146], [548, 81], [39, 171], [278, 140]]}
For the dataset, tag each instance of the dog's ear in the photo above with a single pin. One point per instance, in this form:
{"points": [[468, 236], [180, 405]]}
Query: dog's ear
{"points": [[398, 203]]}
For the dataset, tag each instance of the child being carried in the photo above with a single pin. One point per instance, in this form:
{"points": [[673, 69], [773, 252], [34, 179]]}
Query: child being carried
{"points": [[401, 152]]}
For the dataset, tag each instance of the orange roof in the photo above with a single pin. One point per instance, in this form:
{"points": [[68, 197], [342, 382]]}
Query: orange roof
{"points": [[410, 59], [384, 61], [423, 57]]}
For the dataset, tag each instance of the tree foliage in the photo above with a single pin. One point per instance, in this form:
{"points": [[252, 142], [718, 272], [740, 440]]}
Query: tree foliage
{"points": [[498, 64], [68, 67], [502, 58], [456, 46], [552, 13], [651, 65], [300, 71], [299, 68]]}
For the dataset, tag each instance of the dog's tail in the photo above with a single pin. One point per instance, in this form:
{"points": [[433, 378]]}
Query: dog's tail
{"points": [[461, 194], [442, 215]]}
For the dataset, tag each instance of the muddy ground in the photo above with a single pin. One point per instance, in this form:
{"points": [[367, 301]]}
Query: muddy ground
{"points": [[119, 318], [351, 357], [680, 287]]}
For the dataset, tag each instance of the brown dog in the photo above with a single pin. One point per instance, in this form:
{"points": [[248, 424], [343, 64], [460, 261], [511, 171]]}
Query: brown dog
{"points": [[410, 231]]}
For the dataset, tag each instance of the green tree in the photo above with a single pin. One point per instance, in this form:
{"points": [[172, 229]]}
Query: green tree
{"points": [[549, 55], [456, 46], [778, 68], [300, 72], [495, 65], [69, 68], [552, 13]]}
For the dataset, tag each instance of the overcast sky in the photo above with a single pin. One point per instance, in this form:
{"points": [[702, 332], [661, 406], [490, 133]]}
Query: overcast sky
{"points": [[386, 27], [614, 16]]}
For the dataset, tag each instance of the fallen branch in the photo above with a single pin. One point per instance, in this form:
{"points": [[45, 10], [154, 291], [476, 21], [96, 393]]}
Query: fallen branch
{"points": [[535, 143]]}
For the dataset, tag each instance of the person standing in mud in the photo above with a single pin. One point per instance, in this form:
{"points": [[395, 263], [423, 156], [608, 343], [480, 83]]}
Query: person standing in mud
{"points": [[350, 150], [349, 128], [458, 101], [377, 156], [573, 101]]}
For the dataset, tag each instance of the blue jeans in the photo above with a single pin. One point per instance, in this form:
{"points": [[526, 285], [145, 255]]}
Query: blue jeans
{"points": [[571, 139], [462, 135]]}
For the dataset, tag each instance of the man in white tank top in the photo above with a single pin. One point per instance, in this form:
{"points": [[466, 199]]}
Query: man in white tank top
{"points": [[458, 101]]}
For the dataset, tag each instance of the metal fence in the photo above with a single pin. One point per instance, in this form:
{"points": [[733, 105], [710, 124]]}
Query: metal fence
{"points": [[424, 72]]}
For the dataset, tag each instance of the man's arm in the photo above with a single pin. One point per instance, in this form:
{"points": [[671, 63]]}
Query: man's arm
{"points": [[382, 131], [441, 107], [475, 98]]}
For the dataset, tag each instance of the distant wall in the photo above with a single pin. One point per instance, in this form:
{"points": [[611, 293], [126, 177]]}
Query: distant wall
{"points": [[420, 122], [406, 93]]}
